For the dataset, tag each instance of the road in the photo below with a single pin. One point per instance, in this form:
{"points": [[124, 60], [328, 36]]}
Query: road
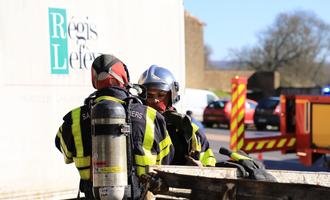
{"points": [[273, 160]]}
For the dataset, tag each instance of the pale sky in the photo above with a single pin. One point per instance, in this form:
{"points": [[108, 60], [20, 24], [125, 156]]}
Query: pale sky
{"points": [[235, 23]]}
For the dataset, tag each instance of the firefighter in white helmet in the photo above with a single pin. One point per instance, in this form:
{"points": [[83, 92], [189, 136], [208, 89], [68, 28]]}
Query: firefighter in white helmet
{"points": [[151, 142], [190, 143]]}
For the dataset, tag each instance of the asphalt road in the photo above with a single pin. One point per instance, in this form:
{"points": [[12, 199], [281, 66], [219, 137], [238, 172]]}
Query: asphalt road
{"points": [[273, 160]]}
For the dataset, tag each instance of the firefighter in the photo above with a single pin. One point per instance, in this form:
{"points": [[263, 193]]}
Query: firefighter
{"points": [[190, 143], [151, 142]]}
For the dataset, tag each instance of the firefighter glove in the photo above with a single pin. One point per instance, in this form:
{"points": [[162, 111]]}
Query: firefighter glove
{"points": [[255, 168], [154, 183], [248, 167], [181, 122]]}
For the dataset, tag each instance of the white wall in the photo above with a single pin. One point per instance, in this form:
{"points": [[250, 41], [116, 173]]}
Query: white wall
{"points": [[33, 100]]}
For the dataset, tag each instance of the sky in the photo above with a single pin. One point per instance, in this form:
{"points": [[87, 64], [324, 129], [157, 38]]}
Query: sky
{"points": [[233, 24]]}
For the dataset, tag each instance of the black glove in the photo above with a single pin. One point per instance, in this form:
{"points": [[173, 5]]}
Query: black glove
{"points": [[179, 121], [154, 183], [256, 170], [241, 172], [253, 169]]}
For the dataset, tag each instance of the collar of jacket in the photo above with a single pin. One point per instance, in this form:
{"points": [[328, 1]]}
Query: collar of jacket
{"points": [[117, 92]]}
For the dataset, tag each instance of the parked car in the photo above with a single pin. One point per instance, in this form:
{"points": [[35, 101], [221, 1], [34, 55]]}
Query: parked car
{"points": [[219, 112], [267, 113], [197, 100]]}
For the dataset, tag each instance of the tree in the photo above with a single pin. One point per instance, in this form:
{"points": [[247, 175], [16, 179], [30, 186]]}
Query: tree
{"points": [[297, 45], [207, 54]]}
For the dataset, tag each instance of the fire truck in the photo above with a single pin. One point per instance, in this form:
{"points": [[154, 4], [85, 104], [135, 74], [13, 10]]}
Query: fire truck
{"points": [[305, 129]]}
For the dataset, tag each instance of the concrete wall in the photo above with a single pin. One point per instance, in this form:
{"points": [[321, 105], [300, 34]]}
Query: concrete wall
{"points": [[221, 79], [197, 74]]}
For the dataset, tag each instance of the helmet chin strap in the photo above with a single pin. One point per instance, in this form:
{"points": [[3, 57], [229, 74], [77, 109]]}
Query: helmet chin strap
{"points": [[118, 78]]}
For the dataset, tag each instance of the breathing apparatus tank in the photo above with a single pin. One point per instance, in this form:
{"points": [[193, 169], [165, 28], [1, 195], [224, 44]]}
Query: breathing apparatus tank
{"points": [[109, 151]]}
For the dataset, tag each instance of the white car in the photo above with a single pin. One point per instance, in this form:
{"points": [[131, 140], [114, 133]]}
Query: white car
{"points": [[197, 100]]}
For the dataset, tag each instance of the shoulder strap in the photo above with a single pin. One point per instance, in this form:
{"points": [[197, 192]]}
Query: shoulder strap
{"points": [[110, 98]]}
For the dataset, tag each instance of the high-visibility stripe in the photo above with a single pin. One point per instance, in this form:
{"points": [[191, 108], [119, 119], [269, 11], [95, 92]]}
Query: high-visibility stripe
{"points": [[109, 98], [271, 144], [233, 139], [281, 143], [82, 162], [76, 132], [148, 140], [241, 88], [249, 146], [240, 130], [195, 127], [240, 101], [292, 142], [67, 154], [238, 98], [234, 93], [164, 152], [84, 174], [240, 116], [207, 158], [144, 160], [140, 170], [261, 144], [240, 143], [237, 156], [164, 146], [233, 110], [233, 124], [165, 142], [196, 146]]}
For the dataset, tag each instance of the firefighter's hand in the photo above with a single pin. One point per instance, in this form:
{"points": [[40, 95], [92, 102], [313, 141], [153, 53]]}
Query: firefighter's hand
{"points": [[193, 162], [181, 122], [154, 183]]}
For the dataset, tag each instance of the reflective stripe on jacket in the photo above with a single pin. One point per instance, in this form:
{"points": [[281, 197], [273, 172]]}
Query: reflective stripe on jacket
{"points": [[206, 155], [152, 144], [149, 157]]}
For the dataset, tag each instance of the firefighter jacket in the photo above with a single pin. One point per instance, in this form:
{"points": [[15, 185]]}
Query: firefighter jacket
{"points": [[188, 139], [151, 142]]}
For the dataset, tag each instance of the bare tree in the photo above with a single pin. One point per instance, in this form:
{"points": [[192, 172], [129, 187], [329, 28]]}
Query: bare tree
{"points": [[297, 45], [207, 54]]}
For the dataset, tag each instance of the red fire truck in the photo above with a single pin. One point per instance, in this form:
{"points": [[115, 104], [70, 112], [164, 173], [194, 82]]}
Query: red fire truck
{"points": [[305, 129]]}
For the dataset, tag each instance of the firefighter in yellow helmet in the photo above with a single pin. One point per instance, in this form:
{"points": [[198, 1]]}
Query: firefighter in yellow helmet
{"points": [[190, 143], [151, 142]]}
